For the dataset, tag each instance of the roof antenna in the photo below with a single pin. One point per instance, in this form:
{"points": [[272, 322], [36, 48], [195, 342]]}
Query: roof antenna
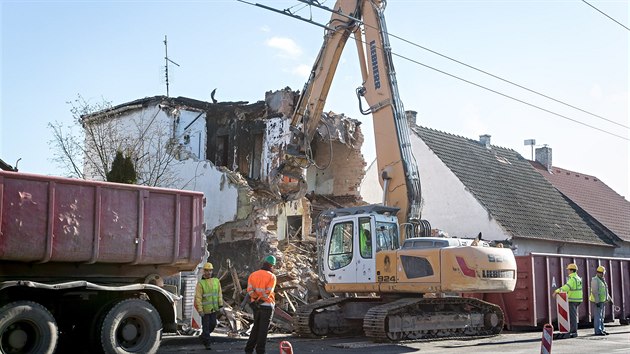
{"points": [[167, 60], [531, 142]]}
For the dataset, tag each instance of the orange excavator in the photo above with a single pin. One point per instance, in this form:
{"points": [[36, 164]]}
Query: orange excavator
{"points": [[389, 278]]}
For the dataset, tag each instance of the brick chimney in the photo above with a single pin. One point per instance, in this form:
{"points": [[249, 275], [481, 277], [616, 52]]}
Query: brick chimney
{"points": [[543, 156], [485, 140], [411, 117]]}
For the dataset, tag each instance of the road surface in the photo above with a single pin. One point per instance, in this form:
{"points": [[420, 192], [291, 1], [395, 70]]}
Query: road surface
{"points": [[617, 342]]}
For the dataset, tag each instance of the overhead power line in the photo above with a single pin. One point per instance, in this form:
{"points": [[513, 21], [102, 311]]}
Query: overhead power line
{"points": [[603, 13], [510, 97], [470, 66], [287, 13]]}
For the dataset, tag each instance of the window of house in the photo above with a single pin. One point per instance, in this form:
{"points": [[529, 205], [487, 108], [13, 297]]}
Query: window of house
{"points": [[223, 149], [256, 153]]}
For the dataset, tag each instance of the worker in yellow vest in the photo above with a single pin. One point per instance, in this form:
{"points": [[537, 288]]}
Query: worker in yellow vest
{"points": [[599, 297], [208, 302], [573, 288]]}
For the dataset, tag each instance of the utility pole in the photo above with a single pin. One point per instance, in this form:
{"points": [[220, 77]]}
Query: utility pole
{"points": [[167, 60]]}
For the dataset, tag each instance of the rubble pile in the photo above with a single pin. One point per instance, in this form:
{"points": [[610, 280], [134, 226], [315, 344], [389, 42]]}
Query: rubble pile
{"points": [[297, 282]]}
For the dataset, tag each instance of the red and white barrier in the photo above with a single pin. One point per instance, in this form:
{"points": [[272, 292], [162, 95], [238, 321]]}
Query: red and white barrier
{"points": [[547, 339], [563, 313], [285, 347]]}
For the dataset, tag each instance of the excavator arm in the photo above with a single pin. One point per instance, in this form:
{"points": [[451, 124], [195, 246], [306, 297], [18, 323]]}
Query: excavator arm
{"points": [[397, 168]]}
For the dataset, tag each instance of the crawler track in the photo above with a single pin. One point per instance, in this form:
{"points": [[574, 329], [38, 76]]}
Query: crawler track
{"points": [[402, 319], [430, 318], [306, 325]]}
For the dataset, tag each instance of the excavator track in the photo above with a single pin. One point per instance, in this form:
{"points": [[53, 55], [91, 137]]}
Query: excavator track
{"points": [[432, 318], [304, 322]]}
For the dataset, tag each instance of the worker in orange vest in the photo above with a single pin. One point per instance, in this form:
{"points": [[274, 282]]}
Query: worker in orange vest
{"points": [[260, 289], [208, 301]]}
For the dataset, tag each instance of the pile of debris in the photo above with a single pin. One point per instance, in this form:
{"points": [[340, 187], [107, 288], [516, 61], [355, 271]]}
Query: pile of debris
{"points": [[297, 284]]}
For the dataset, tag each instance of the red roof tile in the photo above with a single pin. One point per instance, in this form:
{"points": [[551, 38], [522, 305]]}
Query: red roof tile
{"points": [[593, 196]]}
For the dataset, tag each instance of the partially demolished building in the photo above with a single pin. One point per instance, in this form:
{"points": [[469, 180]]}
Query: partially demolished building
{"points": [[229, 150]]}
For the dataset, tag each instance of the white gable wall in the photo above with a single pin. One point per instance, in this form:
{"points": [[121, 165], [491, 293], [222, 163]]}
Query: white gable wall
{"points": [[371, 189], [447, 203]]}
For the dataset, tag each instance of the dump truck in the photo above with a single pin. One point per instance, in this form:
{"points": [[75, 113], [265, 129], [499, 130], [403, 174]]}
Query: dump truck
{"points": [[83, 262]]}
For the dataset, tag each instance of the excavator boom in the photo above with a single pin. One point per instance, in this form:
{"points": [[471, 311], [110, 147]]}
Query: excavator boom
{"points": [[397, 167]]}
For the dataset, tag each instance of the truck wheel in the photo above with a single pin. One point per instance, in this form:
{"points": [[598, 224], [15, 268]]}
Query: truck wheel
{"points": [[131, 326], [27, 327]]}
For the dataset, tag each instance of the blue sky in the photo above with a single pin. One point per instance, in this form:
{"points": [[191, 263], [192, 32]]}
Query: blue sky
{"points": [[53, 50]]}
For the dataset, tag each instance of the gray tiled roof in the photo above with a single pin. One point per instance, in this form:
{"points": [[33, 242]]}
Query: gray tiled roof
{"points": [[519, 198]]}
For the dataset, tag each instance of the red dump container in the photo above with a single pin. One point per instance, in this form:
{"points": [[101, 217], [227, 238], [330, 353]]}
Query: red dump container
{"points": [[532, 303], [70, 228]]}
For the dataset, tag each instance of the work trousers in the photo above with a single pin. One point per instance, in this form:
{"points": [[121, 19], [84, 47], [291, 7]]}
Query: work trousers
{"points": [[208, 323], [258, 336], [598, 321], [573, 316]]}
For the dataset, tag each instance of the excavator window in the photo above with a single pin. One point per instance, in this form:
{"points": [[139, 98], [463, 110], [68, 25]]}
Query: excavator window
{"points": [[386, 236], [365, 238], [340, 249]]}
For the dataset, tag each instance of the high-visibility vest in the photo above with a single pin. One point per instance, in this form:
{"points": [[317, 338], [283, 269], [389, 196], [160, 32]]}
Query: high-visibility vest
{"points": [[260, 287], [208, 295], [366, 244], [573, 288], [599, 290]]}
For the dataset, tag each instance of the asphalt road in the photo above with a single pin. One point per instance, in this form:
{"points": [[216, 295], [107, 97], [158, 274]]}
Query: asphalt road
{"points": [[508, 342]]}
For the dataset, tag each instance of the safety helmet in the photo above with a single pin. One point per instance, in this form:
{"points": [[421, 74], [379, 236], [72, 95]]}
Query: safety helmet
{"points": [[271, 260], [601, 269], [208, 266], [572, 266]]}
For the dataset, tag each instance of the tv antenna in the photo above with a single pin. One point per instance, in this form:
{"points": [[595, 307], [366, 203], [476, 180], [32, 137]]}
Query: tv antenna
{"points": [[531, 142], [167, 60]]}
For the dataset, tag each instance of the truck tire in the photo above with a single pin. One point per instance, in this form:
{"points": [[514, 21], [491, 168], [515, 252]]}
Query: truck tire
{"points": [[27, 327], [131, 326]]}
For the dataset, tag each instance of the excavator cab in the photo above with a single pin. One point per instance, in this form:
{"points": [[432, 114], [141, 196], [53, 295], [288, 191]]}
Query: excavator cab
{"points": [[350, 243]]}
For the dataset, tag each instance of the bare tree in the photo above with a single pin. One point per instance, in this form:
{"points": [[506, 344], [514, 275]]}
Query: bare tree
{"points": [[87, 148]]}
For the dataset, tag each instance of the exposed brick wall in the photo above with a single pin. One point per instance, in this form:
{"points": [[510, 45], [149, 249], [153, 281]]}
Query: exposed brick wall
{"points": [[346, 168]]}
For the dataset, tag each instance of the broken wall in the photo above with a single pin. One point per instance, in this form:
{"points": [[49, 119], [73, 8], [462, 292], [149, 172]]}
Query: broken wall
{"points": [[340, 165]]}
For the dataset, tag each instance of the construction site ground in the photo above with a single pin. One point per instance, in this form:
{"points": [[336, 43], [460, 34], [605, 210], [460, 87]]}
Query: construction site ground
{"points": [[513, 342]]}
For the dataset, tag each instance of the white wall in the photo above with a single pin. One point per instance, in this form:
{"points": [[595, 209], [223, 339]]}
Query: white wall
{"points": [[447, 203], [370, 189], [221, 195]]}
